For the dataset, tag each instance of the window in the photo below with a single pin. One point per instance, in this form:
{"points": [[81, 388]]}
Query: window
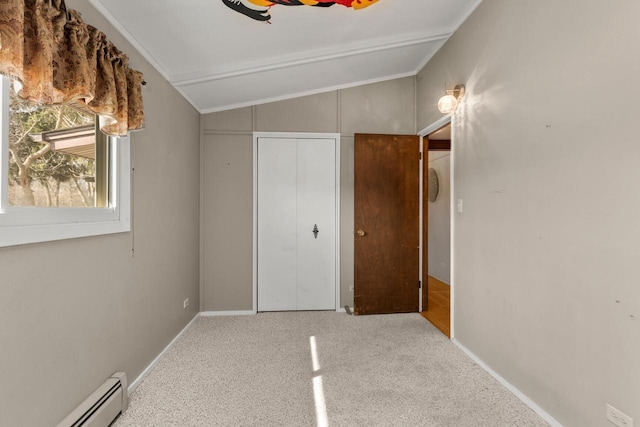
{"points": [[60, 177]]}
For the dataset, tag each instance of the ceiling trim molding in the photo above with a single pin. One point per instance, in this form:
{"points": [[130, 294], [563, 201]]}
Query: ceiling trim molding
{"points": [[305, 59], [296, 94], [467, 14], [104, 11], [429, 57], [440, 123], [463, 18]]}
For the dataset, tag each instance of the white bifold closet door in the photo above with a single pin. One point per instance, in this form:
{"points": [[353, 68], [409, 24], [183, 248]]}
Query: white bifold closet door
{"points": [[296, 195]]}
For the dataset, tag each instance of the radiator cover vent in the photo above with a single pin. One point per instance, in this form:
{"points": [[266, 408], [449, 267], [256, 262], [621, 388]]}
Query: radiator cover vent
{"points": [[102, 406]]}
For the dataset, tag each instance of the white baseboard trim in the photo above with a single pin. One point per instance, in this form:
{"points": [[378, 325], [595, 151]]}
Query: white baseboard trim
{"points": [[520, 395], [227, 313], [132, 387]]}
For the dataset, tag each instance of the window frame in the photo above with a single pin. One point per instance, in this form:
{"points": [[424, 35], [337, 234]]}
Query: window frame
{"points": [[24, 225]]}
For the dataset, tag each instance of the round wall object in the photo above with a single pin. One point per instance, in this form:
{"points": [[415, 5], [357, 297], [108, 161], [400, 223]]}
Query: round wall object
{"points": [[434, 185]]}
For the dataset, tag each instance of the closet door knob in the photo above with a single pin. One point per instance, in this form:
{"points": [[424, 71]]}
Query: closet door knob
{"points": [[360, 233]]}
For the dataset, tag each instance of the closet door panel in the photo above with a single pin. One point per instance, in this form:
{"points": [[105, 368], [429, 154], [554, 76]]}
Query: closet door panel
{"points": [[316, 210], [277, 212]]}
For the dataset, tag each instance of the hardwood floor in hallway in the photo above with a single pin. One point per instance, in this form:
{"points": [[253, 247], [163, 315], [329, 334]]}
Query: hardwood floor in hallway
{"points": [[439, 305]]}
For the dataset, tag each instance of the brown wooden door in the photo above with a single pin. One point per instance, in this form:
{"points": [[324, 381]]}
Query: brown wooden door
{"points": [[386, 235]]}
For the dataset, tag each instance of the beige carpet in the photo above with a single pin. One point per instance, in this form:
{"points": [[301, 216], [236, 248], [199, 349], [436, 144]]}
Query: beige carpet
{"points": [[392, 370]]}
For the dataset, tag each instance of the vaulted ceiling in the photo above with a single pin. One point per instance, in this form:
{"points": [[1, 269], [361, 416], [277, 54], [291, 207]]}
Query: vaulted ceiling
{"points": [[220, 59]]}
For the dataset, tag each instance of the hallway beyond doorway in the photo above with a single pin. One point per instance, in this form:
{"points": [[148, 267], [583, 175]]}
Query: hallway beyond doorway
{"points": [[438, 311]]}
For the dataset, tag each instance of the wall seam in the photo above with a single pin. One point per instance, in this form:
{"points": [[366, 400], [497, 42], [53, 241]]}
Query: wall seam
{"points": [[201, 213], [254, 119], [415, 104], [339, 112]]}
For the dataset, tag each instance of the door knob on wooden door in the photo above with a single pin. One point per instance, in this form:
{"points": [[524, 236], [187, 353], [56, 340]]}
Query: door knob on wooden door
{"points": [[360, 233]]}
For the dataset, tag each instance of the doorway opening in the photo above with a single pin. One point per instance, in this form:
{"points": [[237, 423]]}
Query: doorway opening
{"points": [[436, 265]]}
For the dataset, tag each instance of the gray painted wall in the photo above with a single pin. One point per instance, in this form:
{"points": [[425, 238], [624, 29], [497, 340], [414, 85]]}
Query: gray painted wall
{"points": [[545, 277], [73, 312], [227, 186], [440, 219]]}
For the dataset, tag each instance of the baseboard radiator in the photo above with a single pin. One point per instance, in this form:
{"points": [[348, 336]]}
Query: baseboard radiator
{"points": [[103, 406]]}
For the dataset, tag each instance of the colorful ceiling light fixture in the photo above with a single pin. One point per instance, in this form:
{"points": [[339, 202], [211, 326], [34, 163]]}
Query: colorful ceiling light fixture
{"points": [[247, 7]]}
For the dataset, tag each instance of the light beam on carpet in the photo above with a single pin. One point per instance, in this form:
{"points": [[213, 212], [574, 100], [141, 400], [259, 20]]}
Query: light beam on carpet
{"points": [[314, 354], [318, 388], [321, 407]]}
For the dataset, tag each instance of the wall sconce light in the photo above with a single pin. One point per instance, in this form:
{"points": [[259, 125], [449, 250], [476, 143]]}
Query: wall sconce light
{"points": [[448, 103]]}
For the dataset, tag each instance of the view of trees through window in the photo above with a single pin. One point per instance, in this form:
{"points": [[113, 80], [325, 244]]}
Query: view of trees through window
{"points": [[51, 155]]}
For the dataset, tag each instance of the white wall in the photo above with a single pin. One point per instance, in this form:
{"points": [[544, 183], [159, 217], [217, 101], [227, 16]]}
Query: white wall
{"points": [[546, 154], [74, 312], [440, 219]]}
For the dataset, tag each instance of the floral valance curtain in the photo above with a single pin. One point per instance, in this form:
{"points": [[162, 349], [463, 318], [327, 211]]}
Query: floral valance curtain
{"points": [[60, 59]]}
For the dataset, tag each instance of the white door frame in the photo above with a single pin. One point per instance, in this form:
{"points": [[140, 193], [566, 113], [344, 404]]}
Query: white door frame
{"points": [[425, 160], [293, 135]]}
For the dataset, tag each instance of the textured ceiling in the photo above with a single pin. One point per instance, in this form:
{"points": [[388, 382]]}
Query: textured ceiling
{"points": [[221, 59]]}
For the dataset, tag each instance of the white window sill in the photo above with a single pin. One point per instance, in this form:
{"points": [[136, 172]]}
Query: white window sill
{"points": [[22, 235]]}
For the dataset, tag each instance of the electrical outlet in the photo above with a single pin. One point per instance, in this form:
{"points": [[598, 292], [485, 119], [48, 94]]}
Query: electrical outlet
{"points": [[618, 418], [185, 303], [351, 288], [460, 203]]}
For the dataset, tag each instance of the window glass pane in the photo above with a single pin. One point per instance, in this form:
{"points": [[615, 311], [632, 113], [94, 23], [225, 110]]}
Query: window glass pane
{"points": [[52, 160]]}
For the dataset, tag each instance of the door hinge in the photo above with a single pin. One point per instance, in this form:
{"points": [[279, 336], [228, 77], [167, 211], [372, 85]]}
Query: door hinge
{"points": [[419, 284], [420, 155]]}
